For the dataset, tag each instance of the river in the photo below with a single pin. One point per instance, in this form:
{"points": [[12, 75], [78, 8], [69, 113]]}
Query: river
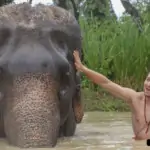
{"points": [[98, 130]]}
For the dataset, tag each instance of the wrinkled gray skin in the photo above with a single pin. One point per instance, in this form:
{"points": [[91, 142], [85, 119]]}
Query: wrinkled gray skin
{"points": [[41, 97]]}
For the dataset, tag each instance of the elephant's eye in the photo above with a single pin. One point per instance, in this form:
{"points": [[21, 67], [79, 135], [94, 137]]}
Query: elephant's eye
{"points": [[4, 35], [61, 43], [59, 38]]}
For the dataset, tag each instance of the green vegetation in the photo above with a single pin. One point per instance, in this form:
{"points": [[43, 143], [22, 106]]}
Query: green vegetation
{"points": [[99, 101], [4, 2], [117, 50]]}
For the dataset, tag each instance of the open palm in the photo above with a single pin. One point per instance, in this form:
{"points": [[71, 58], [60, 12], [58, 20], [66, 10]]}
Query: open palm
{"points": [[78, 63]]}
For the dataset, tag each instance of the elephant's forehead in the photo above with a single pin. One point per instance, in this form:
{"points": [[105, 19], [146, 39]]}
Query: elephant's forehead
{"points": [[37, 39], [25, 13], [23, 19]]}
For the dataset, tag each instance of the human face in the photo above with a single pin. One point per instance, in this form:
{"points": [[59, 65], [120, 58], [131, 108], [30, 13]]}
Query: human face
{"points": [[147, 86]]}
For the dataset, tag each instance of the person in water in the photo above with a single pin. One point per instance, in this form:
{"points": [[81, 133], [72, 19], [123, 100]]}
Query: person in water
{"points": [[139, 102]]}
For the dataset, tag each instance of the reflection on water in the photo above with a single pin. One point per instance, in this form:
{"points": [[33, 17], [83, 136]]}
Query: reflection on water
{"points": [[99, 130]]}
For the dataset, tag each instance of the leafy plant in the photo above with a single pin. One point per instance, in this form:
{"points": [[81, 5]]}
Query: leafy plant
{"points": [[117, 50]]}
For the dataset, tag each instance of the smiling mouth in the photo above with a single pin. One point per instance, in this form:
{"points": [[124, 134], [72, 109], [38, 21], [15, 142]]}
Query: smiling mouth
{"points": [[147, 92]]}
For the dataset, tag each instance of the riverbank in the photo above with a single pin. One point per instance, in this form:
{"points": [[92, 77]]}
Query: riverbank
{"points": [[101, 101]]}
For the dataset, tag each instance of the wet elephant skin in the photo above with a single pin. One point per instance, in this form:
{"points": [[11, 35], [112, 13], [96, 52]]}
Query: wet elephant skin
{"points": [[42, 97]]}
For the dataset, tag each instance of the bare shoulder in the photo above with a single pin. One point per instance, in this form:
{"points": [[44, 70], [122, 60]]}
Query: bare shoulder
{"points": [[140, 95], [130, 91], [131, 94]]}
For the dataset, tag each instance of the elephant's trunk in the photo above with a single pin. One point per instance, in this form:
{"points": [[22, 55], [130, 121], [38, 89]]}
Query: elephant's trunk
{"points": [[32, 116]]}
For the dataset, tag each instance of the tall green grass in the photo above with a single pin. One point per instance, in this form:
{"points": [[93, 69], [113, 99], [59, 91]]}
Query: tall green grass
{"points": [[117, 50]]}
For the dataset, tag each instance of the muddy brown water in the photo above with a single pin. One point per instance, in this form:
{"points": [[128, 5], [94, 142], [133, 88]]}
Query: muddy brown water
{"points": [[99, 130]]}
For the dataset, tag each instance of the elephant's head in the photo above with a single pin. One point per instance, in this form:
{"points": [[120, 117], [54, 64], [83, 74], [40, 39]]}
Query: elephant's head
{"points": [[38, 78]]}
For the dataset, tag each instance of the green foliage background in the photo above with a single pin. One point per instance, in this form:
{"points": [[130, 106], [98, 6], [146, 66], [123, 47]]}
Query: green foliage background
{"points": [[116, 49], [3, 2]]}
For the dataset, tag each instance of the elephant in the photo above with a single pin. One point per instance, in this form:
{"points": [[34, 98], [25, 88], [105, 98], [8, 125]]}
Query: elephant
{"points": [[41, 88]]}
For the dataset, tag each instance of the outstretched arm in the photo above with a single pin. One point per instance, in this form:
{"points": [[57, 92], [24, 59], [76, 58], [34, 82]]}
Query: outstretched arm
{"points": [[113, 88]]}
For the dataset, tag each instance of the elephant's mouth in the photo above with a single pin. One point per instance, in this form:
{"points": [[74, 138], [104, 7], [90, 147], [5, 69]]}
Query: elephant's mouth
{"points": [[32, 116]]}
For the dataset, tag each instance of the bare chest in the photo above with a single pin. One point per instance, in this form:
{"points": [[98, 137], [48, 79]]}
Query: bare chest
{"points": [[141, 120]]}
